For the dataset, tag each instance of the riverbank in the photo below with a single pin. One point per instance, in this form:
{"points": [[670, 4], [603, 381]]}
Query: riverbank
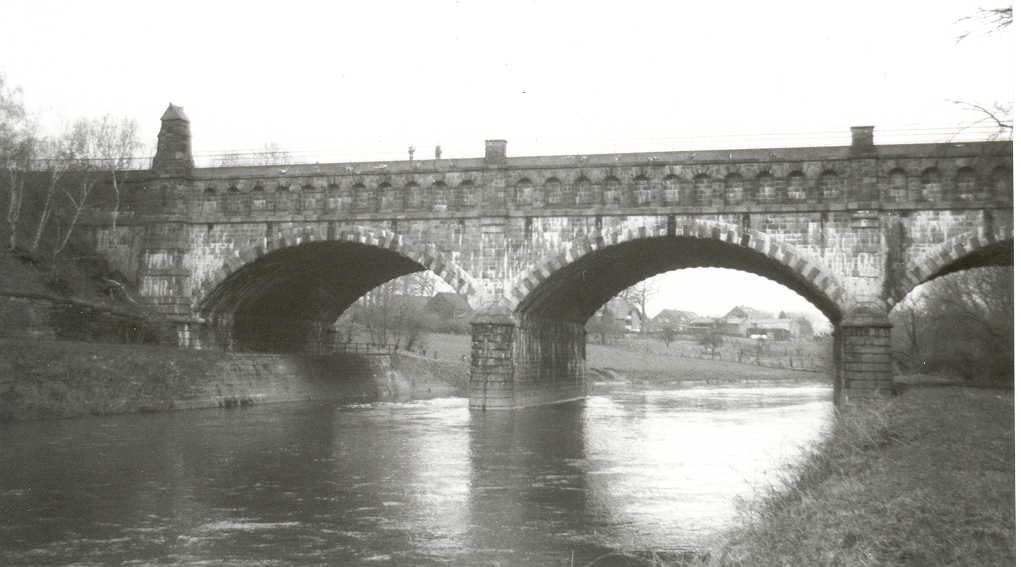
{"points": [[926, 478], [608, 363], [44, 379]]}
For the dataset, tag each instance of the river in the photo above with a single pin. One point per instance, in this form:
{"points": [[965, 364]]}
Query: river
{"points": [[416, 483]]}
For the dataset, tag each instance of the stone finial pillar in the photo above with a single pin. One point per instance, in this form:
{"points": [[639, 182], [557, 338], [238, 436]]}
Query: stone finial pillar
{"points": [[173, 145], [491, 382], [862, 360]]}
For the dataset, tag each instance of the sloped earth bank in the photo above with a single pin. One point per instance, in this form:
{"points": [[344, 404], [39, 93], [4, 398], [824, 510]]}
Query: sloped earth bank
{"points": [[926, 478], [56, 379]]}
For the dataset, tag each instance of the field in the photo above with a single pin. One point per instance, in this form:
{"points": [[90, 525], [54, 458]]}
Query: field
{"points": [[647, 361]]}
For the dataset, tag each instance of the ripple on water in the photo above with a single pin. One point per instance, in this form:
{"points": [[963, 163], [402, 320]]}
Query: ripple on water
{"points": [[243, 525], [413, 483]]}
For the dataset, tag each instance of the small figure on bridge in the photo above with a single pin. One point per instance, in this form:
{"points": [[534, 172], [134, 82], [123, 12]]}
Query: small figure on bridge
{"points": [[411, 153], [439, 151]]}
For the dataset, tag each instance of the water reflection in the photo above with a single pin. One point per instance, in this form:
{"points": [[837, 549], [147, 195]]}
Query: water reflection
{"points": [[528, 499], [412, 483], [669, 477]]}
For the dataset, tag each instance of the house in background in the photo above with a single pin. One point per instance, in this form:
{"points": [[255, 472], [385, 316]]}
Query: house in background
{"points": [[674, 318], [737, 321], [801, 327], [781, 328], [702, 326], [624, 315], [772, 329]]}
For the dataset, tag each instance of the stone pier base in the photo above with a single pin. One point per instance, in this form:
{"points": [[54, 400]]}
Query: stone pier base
{"points": [[523, 363], [863, 361]]}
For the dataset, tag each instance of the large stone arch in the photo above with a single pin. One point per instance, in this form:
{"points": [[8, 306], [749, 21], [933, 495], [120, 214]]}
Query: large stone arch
{"points": [[972, 249], [751, 251], [530, 349], [296, 283], [420, 253]]}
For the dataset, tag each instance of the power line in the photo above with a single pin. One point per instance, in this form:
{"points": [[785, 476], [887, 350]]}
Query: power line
{"points": [[248, 158]]}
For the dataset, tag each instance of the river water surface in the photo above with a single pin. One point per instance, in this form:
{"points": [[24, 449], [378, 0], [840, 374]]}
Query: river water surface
{"points": [[415, 483]]}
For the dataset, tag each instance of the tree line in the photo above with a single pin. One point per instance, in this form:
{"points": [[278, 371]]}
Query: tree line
{"points": [[961, 324], [49, 180]]}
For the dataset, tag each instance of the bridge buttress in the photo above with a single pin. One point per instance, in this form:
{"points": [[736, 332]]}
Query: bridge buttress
{"points": [[862, 357], [523, 362]]}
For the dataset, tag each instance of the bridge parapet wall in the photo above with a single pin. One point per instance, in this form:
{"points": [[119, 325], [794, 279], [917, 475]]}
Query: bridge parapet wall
{"points": [[899, 177]]}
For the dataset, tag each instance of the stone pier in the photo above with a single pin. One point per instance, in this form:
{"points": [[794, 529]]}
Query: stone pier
{"points": [[526, 362]]}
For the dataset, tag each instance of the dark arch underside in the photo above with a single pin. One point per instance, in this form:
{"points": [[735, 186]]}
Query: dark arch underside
{"points": [[272, 304], [996, 254], [575, 292]]}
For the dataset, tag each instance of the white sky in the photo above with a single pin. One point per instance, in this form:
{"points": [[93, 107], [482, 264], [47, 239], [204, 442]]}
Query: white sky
{"points": [[361, 81]]}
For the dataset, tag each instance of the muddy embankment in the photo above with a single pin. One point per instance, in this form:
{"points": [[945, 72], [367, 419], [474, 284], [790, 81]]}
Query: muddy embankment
{"points": [[56, 379]]}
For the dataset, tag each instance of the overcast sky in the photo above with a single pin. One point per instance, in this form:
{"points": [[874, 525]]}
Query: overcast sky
{"points": [[362, 81]]}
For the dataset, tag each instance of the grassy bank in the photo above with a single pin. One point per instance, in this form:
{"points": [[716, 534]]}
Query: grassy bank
{"points": [[924, 479], [638, 365]]}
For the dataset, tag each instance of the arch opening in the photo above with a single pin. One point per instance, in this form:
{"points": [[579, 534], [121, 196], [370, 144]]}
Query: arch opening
{"points": [[959, 324], [979, 249], [287, 300], [577, 290]]}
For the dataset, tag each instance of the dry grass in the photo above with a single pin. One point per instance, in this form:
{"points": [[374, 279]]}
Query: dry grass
{"points": [[924, 479]]}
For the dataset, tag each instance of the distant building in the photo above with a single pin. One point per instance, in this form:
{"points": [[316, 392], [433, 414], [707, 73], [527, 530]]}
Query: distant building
{"points": [[781, 328], [674, 318], [737, 321], [625, 315], [449, 306], [701, 326], [772, 329]]}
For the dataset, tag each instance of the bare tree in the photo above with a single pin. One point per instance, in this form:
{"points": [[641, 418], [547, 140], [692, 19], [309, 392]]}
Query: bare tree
{"points": [[712, 340], [55, 162], [18, 147], [961, 323], [96, 149], [392, 312], [909, 320], [991, 20], [999, 114], [670, 333], [641, 294], [113, 144]]}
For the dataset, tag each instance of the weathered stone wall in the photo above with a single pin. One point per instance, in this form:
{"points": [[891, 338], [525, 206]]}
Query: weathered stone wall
{"points": [[835, 207], [549, 362], [864, 361], [491, 385], [521, 363]]}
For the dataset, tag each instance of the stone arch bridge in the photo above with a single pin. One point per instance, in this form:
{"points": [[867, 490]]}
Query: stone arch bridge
{"points": [[265, 258]]}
